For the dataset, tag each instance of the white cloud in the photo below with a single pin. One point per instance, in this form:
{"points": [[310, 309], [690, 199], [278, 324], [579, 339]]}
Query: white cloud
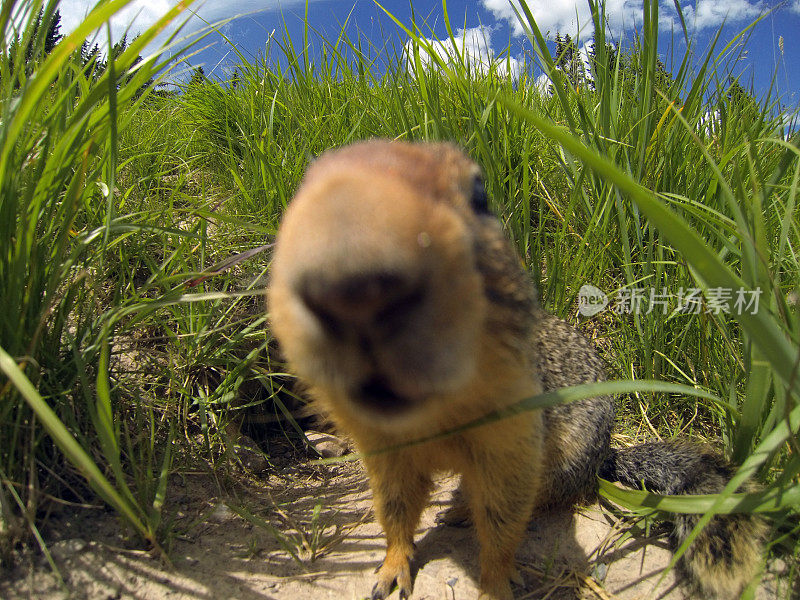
{"points": [[712, 13], [543, 83], [573, 17], [560, 16], [475, 46], [795, 6]]}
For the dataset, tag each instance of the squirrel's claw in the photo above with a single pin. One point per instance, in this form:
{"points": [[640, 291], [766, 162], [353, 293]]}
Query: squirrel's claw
{"points": [[400, 574]]}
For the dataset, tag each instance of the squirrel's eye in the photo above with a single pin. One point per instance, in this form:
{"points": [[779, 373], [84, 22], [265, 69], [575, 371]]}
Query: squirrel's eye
{"points": [[479, 200]]}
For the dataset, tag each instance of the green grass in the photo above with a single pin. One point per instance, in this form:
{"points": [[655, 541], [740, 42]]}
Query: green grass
{"points": [[112, 205]]}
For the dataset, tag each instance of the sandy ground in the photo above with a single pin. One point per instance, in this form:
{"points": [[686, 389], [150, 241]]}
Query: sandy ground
{"points": [[216, 553]]}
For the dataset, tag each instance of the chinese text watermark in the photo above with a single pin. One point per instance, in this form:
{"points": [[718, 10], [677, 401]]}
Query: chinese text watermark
{"points": [[639, 300]]}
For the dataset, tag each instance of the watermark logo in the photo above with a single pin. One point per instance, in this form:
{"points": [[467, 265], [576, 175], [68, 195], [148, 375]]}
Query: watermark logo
{"points": [[591, 300], [635, 300]]}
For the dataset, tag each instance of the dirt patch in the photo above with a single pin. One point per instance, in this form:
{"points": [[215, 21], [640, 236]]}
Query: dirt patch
{"points": [[222, 547]]}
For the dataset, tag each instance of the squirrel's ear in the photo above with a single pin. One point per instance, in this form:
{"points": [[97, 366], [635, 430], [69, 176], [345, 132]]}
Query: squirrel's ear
{"points": [[479, 200]]}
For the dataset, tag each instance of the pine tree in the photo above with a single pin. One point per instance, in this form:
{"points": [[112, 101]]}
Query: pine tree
{"points": [[118, 48], [568, 60], [31, 47], [92, 60], [54, 35], [36, 48], [116, 51], [602, 70]]}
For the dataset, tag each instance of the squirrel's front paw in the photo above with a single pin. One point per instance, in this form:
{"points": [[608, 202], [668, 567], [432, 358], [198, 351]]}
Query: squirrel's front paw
{"points": [[390, 571]]}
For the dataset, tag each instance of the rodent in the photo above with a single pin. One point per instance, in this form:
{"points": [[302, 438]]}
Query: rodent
{"points": [[396, 297]]}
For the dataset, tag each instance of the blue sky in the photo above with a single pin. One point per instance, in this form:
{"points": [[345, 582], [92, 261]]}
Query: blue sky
{"points": [[486, 27]]}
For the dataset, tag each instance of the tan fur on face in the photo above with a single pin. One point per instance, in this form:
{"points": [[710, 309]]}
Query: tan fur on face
{"points": [[349, 218]]}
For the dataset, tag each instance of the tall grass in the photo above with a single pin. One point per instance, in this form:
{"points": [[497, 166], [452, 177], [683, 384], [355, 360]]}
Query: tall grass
{"points": [[119, 211], [709, 207], [59, 226]]}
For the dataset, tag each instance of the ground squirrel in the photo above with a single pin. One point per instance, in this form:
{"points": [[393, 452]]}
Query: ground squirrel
{"points": [[397, 299]]}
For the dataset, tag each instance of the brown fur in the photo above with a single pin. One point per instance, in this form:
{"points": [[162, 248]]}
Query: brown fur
{"points": [[408, 314]]}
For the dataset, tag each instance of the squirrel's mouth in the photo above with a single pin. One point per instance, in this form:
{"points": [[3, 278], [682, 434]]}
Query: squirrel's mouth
{"points": [[378, 394]]}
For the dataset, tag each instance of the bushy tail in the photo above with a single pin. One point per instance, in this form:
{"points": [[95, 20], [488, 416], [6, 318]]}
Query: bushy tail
{"points": [[727, 554]]}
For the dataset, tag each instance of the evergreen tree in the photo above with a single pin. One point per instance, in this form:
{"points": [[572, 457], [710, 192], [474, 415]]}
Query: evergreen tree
{"points": [[36, 48], [569, 61], [119, 47], [92, 60], [626, 64], [632, 67], [53, 36], [116, 51], [31, 47], [602, 70]]}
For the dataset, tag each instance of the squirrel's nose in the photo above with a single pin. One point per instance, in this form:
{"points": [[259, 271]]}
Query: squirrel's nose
{"points": [[359, 300]]}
